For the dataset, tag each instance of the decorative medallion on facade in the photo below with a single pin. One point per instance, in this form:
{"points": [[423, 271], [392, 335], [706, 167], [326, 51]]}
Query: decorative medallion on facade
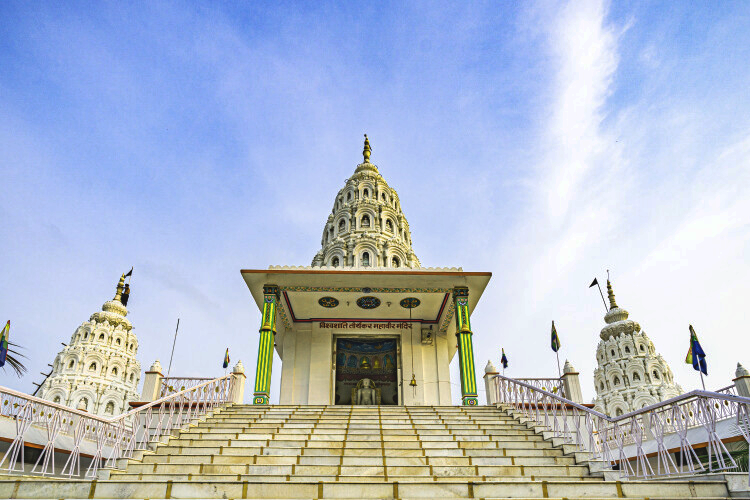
{"points": [[328, 302], [410, 302], [368, 302]]}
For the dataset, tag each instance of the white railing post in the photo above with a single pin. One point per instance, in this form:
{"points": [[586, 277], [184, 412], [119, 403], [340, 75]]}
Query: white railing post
{"points": [[152, 380]]}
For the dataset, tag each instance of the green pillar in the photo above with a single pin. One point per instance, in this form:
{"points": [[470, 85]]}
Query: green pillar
{"points": [[465, 348], [265, 346]]}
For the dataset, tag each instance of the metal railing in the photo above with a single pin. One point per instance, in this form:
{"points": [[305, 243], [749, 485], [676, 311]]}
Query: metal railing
{"points": [[626, 442], [553, 385], [171, 385], [104, 440]]}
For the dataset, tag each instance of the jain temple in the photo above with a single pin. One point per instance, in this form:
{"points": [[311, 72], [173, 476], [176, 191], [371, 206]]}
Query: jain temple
{"points": [[366, 335]]}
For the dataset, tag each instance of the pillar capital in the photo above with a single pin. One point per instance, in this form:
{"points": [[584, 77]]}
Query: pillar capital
{"points": [[272, 290]]}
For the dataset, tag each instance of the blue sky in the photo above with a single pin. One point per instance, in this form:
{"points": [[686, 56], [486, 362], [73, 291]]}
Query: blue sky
{"points": [[544, 142]]}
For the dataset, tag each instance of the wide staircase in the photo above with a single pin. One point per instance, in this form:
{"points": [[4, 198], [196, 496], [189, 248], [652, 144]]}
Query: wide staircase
{"points": [[314, 452]]}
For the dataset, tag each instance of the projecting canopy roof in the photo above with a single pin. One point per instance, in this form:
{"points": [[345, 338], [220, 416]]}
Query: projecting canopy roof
{"points": [[315, 295]]}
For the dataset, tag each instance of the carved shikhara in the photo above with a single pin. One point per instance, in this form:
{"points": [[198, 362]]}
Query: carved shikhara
{"points": [[98, 370], [630, 373], [366, 227]]}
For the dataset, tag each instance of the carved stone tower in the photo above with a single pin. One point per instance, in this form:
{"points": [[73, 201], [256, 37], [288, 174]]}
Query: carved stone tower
{"points": [[98, 371], [366, 227], [630, 373]]}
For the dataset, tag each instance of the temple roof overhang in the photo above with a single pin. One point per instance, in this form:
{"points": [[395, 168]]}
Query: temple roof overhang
{"points": [[302, 288]]}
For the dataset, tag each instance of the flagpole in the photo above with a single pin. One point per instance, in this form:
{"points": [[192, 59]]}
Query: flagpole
{"points": [[596, 282], [606, 309], [173, 343], [702, 382], [559, 373]]}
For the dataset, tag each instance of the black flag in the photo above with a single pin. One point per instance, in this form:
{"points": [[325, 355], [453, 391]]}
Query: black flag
{"points": [[593, 283], [129, 273]]}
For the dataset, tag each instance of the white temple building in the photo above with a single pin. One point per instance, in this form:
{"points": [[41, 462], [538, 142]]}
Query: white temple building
{"points": [[365, 318], [630, 373], [98, 371]]}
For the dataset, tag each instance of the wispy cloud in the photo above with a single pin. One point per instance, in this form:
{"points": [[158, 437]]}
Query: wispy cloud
{"points": [[545, 143]]}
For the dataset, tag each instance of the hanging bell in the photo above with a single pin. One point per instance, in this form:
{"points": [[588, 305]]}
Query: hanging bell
{"points": [[413, 382]]}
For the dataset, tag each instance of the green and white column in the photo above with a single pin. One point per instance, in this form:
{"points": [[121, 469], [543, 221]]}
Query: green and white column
{"points": [[265, 346], [465, 347]]}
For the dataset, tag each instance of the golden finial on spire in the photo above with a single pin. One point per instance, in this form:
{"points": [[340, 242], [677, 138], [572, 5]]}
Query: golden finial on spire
{"points": [[120, 287], [367, 150], [610, 293]]}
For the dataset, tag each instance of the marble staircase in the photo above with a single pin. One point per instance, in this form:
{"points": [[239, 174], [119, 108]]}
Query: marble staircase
{"points": [[316, 452]]}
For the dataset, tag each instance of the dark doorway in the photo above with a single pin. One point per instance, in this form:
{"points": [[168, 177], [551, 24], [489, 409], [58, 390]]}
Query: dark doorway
{"points": [[360, 358]]}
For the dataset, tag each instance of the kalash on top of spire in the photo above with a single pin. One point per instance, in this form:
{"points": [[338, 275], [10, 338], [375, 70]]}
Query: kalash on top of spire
{"points": [[366, 227]]}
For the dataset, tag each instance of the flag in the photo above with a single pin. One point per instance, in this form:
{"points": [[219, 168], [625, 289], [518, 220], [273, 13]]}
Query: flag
{"points": [[555, 339], [594, 283], [504, 360], [696, 356], [226, 359], [129, 273], [4, 335]]}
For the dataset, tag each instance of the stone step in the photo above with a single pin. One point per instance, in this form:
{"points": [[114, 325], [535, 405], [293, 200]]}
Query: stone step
{"points": [[359, 436], [339, 478], [354, 460], [76, 489], [360, 470], [198, 449], [362, 428], [282, 443], [261, 422]]}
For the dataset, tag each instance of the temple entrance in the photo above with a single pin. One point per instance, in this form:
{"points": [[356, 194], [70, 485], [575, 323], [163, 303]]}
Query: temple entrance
{"points": [[362, 358]]}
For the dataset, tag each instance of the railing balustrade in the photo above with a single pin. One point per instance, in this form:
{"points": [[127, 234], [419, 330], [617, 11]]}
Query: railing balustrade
{"points": [[170, 385], [105, 440], [553, 385], [626, 442]]}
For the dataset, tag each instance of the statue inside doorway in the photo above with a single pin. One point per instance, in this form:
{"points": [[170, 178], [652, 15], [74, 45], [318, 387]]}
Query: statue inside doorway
{"points": [[366, 393]]}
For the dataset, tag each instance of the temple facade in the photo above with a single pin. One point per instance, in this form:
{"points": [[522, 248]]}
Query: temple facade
{"points": [[365, 323], [98, 371], [630, 373]]}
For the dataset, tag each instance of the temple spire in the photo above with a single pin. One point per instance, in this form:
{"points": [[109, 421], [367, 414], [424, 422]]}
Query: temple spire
{"points": [[120, 287], [367, 150], [611, 295]]}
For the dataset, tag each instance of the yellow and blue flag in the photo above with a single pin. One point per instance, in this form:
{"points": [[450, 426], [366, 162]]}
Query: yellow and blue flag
{"points": [[696, 356], [4, 336], [504, 360], [555, 341], [226, 359]]}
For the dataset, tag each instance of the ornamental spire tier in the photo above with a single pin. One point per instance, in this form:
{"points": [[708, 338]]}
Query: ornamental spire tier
{"points": [[366, 227], [98, 371], [630, 373]]}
